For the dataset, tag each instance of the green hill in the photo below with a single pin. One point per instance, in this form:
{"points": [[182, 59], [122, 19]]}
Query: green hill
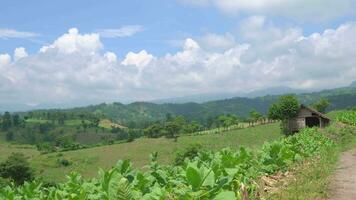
{"points": [[87, 161], [144, 112]]}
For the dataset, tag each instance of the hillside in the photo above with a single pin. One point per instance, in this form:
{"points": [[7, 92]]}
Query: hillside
{"points": [[141, 113], [87, 161]]}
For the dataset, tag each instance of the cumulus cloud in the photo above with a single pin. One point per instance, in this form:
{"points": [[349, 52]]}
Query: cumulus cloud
{"points": [[216, 41], [110, 56], [75, 66], [125, 31], [5, 59], [311, 10], [20, 53], [11, 33], [140, 59], [73, 42]]}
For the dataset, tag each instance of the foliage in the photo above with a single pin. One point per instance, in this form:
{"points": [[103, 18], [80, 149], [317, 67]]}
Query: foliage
{"points": [[189, 153], [64, 162], [208, 175], [16, 168], [172, 127], [285, 108], [321, 105], [9, 136], [347, 117], [6, 121]]}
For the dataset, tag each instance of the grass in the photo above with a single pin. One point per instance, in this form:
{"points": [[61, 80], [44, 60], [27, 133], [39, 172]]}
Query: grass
{"points": [[87, 161], [105, 123], [7, 149], [312, 179], [72, 122], [37, 121], [333, 114]]}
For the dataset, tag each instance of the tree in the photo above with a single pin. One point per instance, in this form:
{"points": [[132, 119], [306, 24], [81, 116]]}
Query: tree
{"points": [[168, 117], [193, 127], [16, 120], [255, 116], [226, 120], [153, 131], [172, 129], [95, 121], [321, 105], [9, 136], [16, 168], [6, 121], [284, 109]]}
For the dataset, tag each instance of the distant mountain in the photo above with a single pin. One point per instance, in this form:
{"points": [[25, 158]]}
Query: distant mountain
{"points": [[275, 91], [353, 84], [202, 98], [141, 113], [198, 98]]}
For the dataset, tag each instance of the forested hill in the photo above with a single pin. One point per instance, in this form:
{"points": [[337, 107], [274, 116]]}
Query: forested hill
{"points": [[143, 112]]}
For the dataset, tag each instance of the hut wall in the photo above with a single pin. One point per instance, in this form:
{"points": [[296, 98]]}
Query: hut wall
{"points": [[296, 124]]}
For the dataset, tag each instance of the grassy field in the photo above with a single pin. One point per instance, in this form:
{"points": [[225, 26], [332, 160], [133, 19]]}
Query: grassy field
{"points": [[87, 161], [104, 123], [7, 149]]}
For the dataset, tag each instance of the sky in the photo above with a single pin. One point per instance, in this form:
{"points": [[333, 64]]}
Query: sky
{"points": [[70, 53]]}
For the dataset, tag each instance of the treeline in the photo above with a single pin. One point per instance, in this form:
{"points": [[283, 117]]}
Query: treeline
{"points": [[61, 116], [55, 130], [173, 127]]}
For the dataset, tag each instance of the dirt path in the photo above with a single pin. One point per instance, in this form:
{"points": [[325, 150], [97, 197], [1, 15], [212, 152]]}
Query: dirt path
{"points": [[343, 185]]}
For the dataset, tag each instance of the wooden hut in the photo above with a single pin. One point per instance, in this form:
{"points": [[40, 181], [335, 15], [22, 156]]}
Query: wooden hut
{"points": [[307, 117]]}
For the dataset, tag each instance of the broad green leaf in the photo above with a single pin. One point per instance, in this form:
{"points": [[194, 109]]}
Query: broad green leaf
{"points": [[194, 177], [225, 195]]}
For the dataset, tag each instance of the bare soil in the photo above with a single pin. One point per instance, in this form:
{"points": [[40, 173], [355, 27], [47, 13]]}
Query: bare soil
{"points": [[343, 186]]}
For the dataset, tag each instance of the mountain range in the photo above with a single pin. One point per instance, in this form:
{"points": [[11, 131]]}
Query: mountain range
{"points": [[144, 112]]}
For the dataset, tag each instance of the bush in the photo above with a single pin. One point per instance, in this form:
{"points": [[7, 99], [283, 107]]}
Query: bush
{"points": [[4, 182], [64, 162], [16, 168], [188, 153]]}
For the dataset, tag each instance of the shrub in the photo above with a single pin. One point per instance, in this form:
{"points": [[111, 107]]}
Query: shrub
{"points": [[16, 168], [64, 162], [4, 182], [189, 153]]}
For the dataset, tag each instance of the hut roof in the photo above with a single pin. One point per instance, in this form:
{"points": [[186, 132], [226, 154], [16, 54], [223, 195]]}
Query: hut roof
{"points": [[315, 112]]}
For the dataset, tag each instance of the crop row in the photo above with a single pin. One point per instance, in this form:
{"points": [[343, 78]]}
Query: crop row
{"points": [[210, 175], [348, 117]]}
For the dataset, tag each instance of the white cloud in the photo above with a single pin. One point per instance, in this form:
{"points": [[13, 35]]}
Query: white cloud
{"points": [[5, 59], [11, 33], [140, 59], [73, 42], [74, 67], [110, 56], [310, 10], [20, 53], [125, 31], [215, 41]]}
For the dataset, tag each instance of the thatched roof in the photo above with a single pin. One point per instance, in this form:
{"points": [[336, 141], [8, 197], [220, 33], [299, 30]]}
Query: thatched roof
{"points": [[312, 110]]}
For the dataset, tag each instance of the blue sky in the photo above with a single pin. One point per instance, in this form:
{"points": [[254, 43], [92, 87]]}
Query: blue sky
{"points": [[60, 52], [163, 21]]}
